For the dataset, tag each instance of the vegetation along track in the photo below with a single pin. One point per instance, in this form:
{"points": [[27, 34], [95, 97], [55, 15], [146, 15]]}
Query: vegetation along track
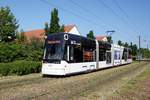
{"points": [[94, 85]]}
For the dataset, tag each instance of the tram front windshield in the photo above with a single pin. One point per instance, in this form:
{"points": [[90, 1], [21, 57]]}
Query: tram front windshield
{"points": [[53, 51]]}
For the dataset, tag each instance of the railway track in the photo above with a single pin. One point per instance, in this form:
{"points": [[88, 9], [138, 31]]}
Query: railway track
{"points": [[81, 86]]}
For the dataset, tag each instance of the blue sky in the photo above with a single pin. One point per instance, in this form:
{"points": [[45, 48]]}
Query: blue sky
{"points": [[97, 15]]}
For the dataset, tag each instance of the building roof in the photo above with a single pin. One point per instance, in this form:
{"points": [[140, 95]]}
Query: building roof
{"points": [[100, 38], [39, 33], [68, 28], [35, 34]]}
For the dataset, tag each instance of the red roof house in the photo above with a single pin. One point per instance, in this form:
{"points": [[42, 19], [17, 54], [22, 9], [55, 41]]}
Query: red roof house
{"points": [[39, 33], [71, 29], [68, 28], [101, 38]]}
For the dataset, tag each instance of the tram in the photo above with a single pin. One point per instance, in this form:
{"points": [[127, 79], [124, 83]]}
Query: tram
{"points": [[66, 53]]}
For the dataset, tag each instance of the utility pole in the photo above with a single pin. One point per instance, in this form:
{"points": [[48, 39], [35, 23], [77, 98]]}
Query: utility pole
{"points": [[139, 48], [147, 52]]}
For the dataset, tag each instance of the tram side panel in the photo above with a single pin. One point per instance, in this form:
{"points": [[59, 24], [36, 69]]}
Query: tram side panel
{"points": [[125, 56], [80, 67], [81, 54], [117, 51]]}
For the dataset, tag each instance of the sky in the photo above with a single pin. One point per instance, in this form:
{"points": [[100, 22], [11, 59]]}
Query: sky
{"points": [[128, 18]]}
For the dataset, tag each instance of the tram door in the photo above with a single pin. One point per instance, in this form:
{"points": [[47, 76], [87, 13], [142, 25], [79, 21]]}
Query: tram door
{"points": [[125, 56], [70, 53], [108, 57]]}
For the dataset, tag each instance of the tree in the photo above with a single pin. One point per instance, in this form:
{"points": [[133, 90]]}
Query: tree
{"points": [[8, 25], [109, 39], [46, 28], [145, 52], [120, 42], [20, 37], [62, 28], [131, 45], [54, 23], [134, 50], [23, 38], [126, 44], [91, 35]]}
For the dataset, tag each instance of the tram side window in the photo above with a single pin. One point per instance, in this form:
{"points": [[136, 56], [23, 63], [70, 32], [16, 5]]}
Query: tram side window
{"points": [[89, 51], [78, 54], [102, 56], [65, 53], [124, 55], [108, 57], [82, 52], [88, 55], [130, 55]]}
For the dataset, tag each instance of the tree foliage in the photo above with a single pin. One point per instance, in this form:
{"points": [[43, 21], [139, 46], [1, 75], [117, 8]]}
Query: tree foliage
{"points": [[20, 37], [54, 22], [126, 44], [109, 39], [91, 34], [46, 29], [62, 28], [145, 52], [120, 43], [54, 26], [134, 49], [8, 25], [13, 51]]}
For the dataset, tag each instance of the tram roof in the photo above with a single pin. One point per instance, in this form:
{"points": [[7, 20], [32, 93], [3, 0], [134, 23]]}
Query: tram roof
{"points": [[76, 36]]}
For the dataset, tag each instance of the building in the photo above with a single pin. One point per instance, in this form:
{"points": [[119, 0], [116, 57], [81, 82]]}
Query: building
{"points": [[40, 33], [37, 34], [71, 29], [101, 38]]}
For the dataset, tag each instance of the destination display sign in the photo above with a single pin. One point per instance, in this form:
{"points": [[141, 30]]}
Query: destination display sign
{"points": [[54, 42]]}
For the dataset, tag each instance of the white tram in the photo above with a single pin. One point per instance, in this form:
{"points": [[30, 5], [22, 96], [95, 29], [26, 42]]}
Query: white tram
{"points": [[66, 53]]}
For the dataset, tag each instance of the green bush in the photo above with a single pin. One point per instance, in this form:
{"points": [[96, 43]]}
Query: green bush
{"points": [[5, 69], [12, 51], [20, 68]]}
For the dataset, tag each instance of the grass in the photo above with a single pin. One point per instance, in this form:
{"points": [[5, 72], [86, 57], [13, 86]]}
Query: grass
{"points": [[133, 84]]}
